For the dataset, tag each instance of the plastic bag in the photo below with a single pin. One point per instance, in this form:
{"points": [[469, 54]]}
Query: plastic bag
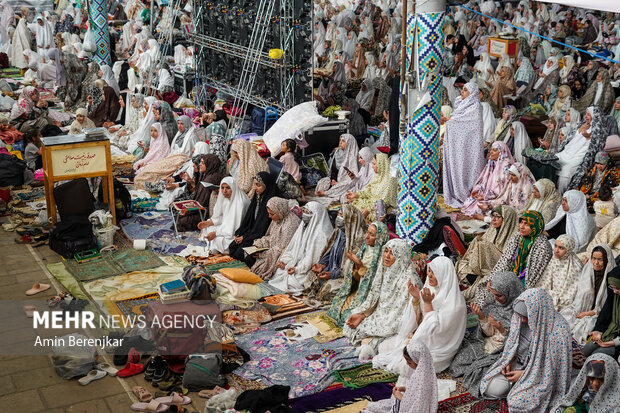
{"points": [[89, 41], [71, 360]]}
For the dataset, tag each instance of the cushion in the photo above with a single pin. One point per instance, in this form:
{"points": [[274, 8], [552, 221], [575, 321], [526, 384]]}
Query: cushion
{"points": [[241, 275], [612, 143]]}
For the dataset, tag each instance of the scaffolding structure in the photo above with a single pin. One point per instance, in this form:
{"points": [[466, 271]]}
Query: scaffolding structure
{"points": [[278, 19]]}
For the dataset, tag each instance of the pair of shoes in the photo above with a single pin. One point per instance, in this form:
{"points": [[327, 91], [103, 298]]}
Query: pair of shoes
{"points": [[222, 401], [57, 299], [130, 369], [151, 366], [161, 404]]}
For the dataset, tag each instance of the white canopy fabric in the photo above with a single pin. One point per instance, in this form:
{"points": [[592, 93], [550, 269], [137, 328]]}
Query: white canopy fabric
{"points": [[605, 5]]}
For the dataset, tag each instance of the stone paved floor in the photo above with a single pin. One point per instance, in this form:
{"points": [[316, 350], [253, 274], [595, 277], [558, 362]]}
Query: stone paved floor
{"points": [[30, 383]]}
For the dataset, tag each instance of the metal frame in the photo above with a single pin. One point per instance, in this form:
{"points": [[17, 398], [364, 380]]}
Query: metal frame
{"points": [[254, 57]]}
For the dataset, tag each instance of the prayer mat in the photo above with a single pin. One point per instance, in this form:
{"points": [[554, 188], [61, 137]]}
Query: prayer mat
{"points": [[59, 271], [131, 307], [284, 305], [328, 329], [458, 404], [441, 202], [113, 264], [219, 265], [92, 270], [363, 375], [242, 384], [355, 407], [156, 228], [341, 397], [486, 406], [305, 365]]}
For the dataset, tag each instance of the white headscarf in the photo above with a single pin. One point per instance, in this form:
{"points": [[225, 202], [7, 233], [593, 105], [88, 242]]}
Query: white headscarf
{"points": [[547, 70], [346, 157], [521, 141], [228, 212], [44, 34], [144, 131], [304, 250], [165, 79], [108, 76], [443, 329], [579, 224]]}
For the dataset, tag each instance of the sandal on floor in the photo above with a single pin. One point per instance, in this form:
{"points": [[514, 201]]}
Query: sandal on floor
{"points": [[92, 376], [133, 356], [142, 394], [174, 398], [24, 239], [108, 369], [29, 310], [207, 394], [38, 288], [130, 369], [54, 301], [152, 406]]}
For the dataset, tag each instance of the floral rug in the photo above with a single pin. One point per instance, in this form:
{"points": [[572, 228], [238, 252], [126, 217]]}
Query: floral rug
{"points": [[306, 366], [156, 228]]}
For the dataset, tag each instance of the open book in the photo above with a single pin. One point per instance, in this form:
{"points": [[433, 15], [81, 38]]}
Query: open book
{"points": [[209, 185], [253, 250]]}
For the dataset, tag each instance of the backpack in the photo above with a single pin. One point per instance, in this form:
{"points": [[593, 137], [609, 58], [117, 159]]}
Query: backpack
{"points": [[72, 234], [11, 170]]}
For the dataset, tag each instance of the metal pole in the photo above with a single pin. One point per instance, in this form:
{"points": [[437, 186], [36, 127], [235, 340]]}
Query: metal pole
{"points": [[151, 18]]}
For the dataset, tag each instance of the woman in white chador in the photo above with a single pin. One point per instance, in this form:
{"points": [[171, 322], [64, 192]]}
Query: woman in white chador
{"points": [[304, 250], [229, 209]]}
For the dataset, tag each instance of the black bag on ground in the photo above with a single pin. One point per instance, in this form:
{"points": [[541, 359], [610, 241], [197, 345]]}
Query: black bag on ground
{"points": [[74, 198], [72, 234], [11, 170], [122, 199]]}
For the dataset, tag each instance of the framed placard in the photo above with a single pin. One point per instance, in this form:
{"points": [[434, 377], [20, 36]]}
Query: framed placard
{"points": [[79, 161], [77, 156], [496, 47]]}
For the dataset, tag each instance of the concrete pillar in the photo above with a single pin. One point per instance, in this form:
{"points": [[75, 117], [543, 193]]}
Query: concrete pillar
{"points": [[98, 10], [419, 144]]}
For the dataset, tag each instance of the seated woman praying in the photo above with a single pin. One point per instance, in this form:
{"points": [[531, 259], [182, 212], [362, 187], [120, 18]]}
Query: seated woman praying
{"points": [[185, 139], [342, 163], [377, 318], [359, 277], [545, 199], [561, 277], [230, 207], [159, 147], [485, 250], [303, 250], [596, 389], [103, 103], [584, 311], [81, 122], [327, 273], [417, 391], [572, 218], [492, 181], [484, 346], [256, 219], [435, 316], [382, 186], [603, 173], [356, 181], [244, 164], [518, 140], [526, 254], [283, 225], [205, 194], [533, 371], [605, 336]]}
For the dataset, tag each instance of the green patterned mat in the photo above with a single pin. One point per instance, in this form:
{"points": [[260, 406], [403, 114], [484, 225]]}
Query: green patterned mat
{"points": [[219, 265], [113, 264], [363, 375]]}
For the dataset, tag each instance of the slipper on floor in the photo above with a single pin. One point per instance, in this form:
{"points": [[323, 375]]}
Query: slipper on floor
{"points": [[24, 239], [152, 406], [174, 398], [133, 356], [108, 369], [92, 376], [142, 394], [130, 369], [29, 310], [207, 394], [38, 288]]}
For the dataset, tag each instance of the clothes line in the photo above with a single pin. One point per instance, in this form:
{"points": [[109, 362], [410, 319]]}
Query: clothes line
{"points": [[536, 34]]}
